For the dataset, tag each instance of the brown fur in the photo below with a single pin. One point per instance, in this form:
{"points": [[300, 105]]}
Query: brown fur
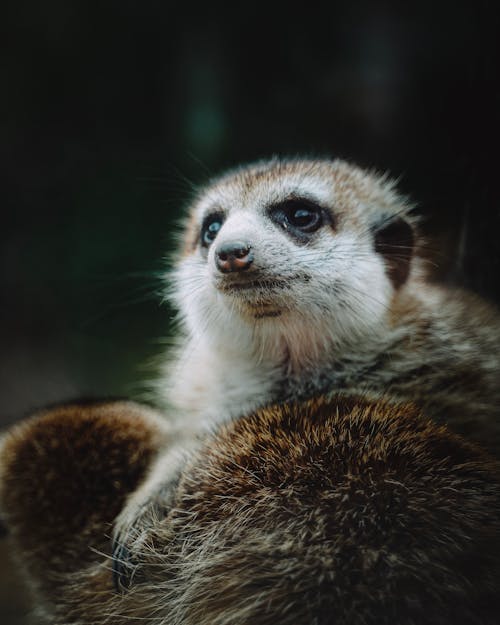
{"points": [[327, 512], [64, 476]]}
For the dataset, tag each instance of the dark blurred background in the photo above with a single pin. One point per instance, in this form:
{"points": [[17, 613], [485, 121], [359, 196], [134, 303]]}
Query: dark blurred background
{"points": [[110, 111]]}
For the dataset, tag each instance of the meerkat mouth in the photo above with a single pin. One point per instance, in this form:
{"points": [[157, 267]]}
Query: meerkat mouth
{"points": [[256, 298], [260, 296], [263, 283], [263, 314], [257, 285]]}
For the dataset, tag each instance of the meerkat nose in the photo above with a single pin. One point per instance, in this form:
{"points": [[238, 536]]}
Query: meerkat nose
{"points": [[233, 256]]}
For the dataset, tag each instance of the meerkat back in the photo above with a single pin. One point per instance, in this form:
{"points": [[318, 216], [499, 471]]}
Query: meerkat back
{"points": [[328, 512]]}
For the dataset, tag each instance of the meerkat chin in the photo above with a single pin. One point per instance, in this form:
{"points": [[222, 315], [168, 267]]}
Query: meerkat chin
{"points": [[302, 277]]}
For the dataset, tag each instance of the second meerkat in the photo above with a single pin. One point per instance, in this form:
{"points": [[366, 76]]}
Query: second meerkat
{"points": [[302, 277]]}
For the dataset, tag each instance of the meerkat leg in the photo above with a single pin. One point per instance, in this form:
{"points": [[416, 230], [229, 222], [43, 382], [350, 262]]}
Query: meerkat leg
{"points": [[145, 508]]}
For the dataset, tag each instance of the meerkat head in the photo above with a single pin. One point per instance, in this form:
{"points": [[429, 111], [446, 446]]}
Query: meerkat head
{"points": [[313, 248]]}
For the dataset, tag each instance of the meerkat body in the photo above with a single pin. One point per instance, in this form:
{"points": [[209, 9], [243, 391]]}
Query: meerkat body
{"points": [[303, 277], [325, 512], [320, 495]]}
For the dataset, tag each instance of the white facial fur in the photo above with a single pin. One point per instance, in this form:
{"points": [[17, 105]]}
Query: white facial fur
{"points": [[316, 296]]}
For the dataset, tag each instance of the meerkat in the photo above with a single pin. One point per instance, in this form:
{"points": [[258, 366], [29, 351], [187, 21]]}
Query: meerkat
{"points": [[319, 496], [302, 277]]}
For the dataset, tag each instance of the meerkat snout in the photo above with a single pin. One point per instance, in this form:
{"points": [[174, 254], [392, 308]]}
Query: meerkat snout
{"points": [[232, 256]]}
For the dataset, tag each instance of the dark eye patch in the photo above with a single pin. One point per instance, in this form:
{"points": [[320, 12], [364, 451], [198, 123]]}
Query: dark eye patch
{"points": [[298, 216]]}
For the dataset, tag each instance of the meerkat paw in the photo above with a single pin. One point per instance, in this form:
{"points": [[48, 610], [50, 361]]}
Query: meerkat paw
{"points": [[145, 509]]}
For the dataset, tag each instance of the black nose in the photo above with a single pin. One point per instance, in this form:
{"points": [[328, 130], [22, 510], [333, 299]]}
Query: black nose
{"points": [[233, 256]]}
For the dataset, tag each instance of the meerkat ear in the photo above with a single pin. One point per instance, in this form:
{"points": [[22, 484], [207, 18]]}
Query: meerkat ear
{"points": [[64, 477], [395, 240]]}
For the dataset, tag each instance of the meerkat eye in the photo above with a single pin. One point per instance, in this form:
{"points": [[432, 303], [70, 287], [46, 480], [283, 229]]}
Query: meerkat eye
{"points": [[210, 229], [299, 215]]}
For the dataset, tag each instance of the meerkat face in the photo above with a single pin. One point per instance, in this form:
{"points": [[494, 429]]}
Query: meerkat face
{"points": [[313, 244]]}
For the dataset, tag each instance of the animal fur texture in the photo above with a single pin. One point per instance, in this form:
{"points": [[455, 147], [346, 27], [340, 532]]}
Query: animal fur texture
{"points": [[329, 512], [340, 304], [304, 474]]}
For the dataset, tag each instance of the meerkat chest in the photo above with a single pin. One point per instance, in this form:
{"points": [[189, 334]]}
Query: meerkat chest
{"points": [[214, 385]]}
